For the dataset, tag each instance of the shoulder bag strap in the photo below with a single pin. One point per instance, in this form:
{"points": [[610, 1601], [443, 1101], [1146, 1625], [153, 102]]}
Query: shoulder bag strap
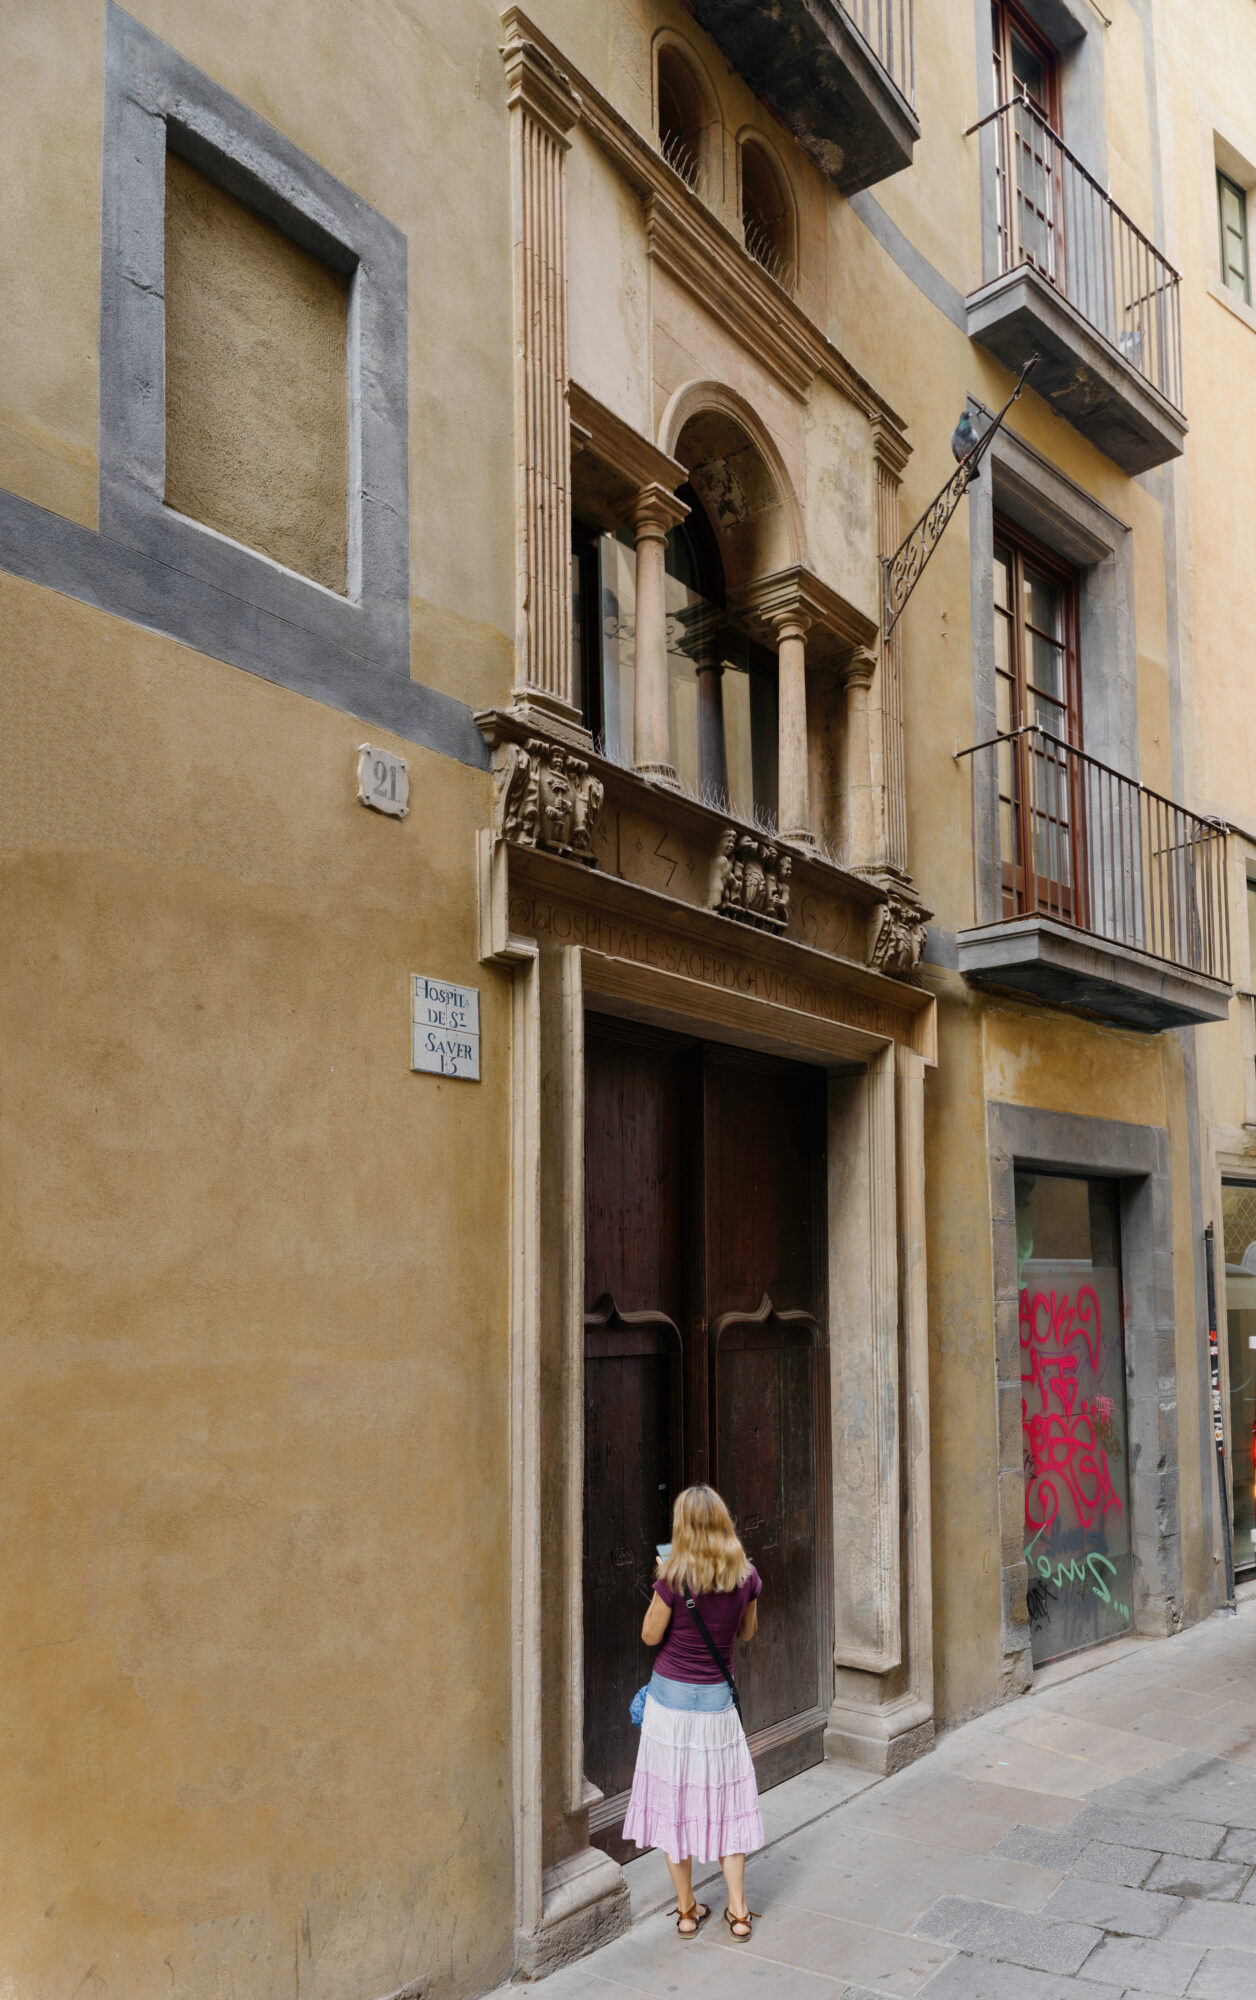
{"points": [[713, 1650]]}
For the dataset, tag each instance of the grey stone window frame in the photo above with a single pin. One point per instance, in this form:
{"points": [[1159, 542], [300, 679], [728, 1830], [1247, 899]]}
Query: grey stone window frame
{"points": [[1137, 1158], [1019, 482], [155, 100], [1075, 30]]}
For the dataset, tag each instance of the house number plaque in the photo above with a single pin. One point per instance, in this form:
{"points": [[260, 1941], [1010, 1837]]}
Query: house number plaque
{"points": [[445, 1021], [383, 781]]}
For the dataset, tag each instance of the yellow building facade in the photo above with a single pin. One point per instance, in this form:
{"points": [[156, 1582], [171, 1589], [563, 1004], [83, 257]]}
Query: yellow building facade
{"points": [[544, 964]]}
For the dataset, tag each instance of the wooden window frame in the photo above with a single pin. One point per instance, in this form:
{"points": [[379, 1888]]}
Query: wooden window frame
{"points": [[1023, 891], [1227, 181], [1008, 20]]}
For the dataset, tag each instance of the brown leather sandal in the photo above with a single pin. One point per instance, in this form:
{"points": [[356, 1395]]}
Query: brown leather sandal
{"points": [[691, 1914], [741, 1927]]}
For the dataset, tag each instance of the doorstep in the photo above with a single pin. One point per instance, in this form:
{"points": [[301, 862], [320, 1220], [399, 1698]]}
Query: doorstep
{"points": [[786, 1810]]}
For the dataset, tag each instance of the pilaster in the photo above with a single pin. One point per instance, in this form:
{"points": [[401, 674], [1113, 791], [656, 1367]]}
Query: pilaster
{"points": [[543, 109]]}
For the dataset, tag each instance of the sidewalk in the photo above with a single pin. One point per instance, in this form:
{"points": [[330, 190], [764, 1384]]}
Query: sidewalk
{"points": [[1094, 1841]]}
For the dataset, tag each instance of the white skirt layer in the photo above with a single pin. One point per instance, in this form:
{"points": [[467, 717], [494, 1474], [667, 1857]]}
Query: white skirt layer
{"points": [[693, 1791]]}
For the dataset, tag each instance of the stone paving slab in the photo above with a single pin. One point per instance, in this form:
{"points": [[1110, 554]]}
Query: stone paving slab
{"points": [[1149, 1964], [1225, 1975], [1110, 1907], [1018, 1936], [1231, 1924], [1215, 1881], [968, 1978], [1163, 1831], [1131, 1867]]}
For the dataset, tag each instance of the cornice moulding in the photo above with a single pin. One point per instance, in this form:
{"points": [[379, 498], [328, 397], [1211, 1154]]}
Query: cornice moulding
{"points": [[624, 451], [796, 591]]}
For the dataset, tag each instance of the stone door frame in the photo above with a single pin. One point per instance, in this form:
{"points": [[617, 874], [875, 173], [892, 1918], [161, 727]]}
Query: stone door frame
{"points": [[1136, 1157], [570, 1895]]}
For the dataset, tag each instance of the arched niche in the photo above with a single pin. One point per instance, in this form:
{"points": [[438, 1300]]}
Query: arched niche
{"points": [[738, 473], [769, 216], [686, 115]]}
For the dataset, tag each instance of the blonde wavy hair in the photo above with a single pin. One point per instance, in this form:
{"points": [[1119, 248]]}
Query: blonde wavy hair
{"points": [[706, 1553]]}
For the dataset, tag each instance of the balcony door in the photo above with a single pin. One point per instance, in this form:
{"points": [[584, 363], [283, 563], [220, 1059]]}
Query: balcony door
{"points": [[1037, 682], [705, 1359], [1030, 166]]}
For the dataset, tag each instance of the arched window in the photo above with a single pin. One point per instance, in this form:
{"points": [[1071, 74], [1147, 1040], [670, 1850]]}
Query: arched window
{"points": [[767, 213], [682, 117]]}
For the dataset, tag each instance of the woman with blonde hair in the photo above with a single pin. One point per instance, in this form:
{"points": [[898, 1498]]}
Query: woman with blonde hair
{"points": [[693, 1791]]}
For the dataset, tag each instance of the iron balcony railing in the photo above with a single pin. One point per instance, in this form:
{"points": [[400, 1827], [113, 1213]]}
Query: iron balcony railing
{"points": [[889, 28], [1054, 216], [1066, 837]]}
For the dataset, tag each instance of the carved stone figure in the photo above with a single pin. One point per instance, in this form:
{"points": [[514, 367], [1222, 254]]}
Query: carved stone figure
{"points": [[720, 889], [557, 800], [778, 893], [754, 885], [897, 937], [548, 799], [749, 880], [589, 796]]}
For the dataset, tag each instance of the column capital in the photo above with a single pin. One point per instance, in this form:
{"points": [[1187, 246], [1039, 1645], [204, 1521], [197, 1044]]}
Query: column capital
{"points": [[654, 511], [534, 82], [859, 670], [796, 596]]}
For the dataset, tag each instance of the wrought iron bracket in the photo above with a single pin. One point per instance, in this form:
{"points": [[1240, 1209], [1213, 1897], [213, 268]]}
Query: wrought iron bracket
{"points": [[902, 572]]}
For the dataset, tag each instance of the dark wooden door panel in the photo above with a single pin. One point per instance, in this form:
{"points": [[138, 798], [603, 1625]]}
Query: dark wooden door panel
{"points": [[634, 1159], [629, 1376], [765, 1377], [760, 1157], [704, 1191]]}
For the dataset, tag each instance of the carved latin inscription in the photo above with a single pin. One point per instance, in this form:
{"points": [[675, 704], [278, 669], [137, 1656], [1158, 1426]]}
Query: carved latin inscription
{"points": [[548, 798]]}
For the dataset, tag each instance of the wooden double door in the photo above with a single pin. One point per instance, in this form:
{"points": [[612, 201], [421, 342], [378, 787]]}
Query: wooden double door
{"points": [[705, 1360]]}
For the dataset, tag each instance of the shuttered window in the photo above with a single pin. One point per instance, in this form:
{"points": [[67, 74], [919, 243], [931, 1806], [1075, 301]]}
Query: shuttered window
{"points": [[1232, 214]]}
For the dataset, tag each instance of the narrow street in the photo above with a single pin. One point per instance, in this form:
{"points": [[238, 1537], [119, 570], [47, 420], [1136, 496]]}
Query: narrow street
{"points": [[1092, 1841]]}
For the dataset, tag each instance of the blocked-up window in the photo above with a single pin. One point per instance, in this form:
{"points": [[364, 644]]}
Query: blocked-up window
{"points": [[257, 420]]}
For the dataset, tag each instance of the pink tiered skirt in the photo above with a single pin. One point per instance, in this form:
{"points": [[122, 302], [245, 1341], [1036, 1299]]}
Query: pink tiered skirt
{"points": [[693, 1791]]}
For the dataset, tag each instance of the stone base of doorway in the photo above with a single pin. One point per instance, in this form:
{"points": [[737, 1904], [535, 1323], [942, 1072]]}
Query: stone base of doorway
{"points": [[786, 1810], [584, 1904], [879, 1740]]}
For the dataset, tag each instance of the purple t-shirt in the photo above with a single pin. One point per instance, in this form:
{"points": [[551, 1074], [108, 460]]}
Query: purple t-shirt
{"points": [[683, 1655]]}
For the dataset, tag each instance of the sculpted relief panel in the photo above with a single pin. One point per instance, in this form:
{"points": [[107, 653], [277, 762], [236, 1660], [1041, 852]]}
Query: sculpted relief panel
{"points": [[577, 807]]}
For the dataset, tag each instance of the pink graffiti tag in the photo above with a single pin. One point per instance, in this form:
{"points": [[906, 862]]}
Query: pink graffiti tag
{"points": [[1066, 1454]]}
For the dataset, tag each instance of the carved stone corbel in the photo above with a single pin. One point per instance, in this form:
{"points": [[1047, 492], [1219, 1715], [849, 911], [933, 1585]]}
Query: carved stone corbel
{"points": [[548, 798], [896, 936]]}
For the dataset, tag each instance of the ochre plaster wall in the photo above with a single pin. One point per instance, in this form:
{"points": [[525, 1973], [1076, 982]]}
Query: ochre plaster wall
{"points": [[257, 405], [255, 1522]]}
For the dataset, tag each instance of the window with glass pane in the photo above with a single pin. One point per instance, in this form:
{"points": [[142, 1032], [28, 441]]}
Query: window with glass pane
{"points": [[1030, 207], [1232, 213], [1238, 1228], [1036, 682], [722, 687], [1074, 1438]]}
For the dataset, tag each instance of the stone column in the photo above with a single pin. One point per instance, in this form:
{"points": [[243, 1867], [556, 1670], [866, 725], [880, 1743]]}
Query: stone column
{"points": [[793, 792], [655, 512], [543, 109], [860, 819]]}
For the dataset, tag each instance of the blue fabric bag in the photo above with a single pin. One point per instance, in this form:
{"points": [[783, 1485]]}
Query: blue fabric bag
{"points": [[636, 1707]]}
